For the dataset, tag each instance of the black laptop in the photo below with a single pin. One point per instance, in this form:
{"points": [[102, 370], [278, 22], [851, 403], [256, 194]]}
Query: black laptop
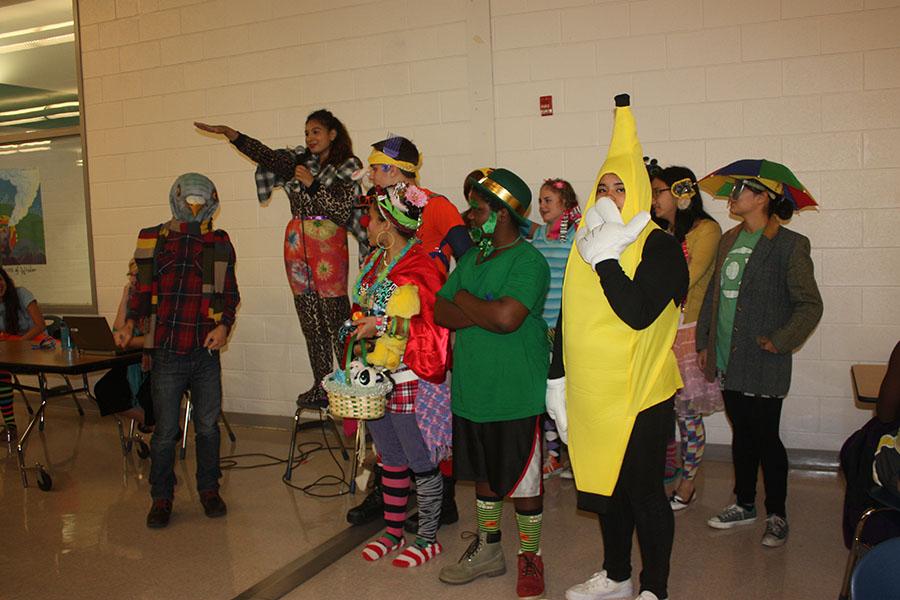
{"points": [[92, 335]]}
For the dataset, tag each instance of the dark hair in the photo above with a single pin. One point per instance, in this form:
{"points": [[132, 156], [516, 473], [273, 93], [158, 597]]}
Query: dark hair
{"points": [[684, 219], [781, 207], [10, 303], [342, 146], [400, 148], [565, 191]]}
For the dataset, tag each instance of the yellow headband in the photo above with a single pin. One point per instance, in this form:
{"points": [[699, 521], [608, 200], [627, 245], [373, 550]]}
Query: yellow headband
{"points": [[504, 194], [380, 158]]}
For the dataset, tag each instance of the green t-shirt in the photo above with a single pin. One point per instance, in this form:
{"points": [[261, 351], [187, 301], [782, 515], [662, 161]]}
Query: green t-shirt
{"points": [[729, 288], [501, 377]]}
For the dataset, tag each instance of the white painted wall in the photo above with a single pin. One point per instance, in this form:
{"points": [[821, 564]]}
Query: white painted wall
{"points": [[812, 83]]}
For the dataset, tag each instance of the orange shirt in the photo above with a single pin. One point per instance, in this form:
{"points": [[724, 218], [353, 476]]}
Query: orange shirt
{"points": [[439, 217]]}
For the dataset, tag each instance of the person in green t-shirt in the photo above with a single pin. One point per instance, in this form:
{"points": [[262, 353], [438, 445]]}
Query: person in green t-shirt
{"points": [[494, 301], [761, 305]]}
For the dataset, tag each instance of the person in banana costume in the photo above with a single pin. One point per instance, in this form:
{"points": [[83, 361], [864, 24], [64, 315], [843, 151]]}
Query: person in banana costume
{"points": [[614, 374]]}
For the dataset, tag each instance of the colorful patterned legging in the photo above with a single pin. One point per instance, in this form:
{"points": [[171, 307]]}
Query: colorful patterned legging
{"points": [[692, 444]]}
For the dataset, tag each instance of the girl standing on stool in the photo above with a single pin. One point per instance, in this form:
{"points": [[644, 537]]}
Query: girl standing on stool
{"points": [[558, 207], [317, 179], [678, 207], [396, 288], [20, 319]]}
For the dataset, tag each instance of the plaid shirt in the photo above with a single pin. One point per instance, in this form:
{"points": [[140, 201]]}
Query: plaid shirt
{"points": [[180, 325]]}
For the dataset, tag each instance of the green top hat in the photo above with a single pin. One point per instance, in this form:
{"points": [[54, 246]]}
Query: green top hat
{"points": [[509, 189]]}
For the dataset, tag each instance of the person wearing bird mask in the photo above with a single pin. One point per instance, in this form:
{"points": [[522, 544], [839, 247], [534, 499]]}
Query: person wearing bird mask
{"points": [[187, 289], [614, 375]]}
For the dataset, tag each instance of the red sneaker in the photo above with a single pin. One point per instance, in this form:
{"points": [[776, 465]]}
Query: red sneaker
{"points": [[530, 584]]}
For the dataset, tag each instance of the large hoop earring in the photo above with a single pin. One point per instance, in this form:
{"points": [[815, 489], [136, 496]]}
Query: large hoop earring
{"points": [[381, 244]]}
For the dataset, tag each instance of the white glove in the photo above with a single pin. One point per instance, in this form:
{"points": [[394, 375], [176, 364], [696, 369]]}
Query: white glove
{"points": [[611, 238], [593, 217], [556, 406]]}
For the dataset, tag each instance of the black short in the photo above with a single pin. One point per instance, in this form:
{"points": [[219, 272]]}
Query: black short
{"points": [[506, 454]]}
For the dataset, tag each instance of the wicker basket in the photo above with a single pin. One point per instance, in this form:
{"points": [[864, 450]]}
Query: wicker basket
{"points": [[350, 401]]}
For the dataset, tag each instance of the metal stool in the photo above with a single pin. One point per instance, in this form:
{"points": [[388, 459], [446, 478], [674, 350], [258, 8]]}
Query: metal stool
{"points": [[188, 408], [323, 417]]}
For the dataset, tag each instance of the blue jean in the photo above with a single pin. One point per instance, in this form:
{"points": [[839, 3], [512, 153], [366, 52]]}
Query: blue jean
{"points": [[173, 375]]}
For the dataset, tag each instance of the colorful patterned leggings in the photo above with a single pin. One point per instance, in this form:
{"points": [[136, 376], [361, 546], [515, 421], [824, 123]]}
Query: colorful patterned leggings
{"points": [[692, 445], [6, 399]]}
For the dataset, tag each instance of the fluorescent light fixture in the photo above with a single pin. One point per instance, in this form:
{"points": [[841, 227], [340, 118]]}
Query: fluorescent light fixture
{"points": [[32, 109], [38, 29], [63, 115], [21, 121], [32, 44]]}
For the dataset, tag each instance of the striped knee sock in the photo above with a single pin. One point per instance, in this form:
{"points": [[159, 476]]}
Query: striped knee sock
{"points": [[529, 524], [429, 493], [395, 482], [6, 399], [488, 511]]}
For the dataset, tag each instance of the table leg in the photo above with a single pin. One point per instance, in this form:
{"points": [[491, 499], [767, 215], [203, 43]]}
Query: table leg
{"points": [[38, 417]]}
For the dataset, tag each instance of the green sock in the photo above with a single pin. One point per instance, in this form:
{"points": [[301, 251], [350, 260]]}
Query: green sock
{"points": [[488, 511], [529, 531]]}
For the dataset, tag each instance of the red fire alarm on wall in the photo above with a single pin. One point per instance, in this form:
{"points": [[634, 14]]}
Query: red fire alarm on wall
{"points": [[546, 106]]}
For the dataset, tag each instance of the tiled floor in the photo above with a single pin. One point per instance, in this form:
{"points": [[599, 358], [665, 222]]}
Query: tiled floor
{"points": [[86, 538]]}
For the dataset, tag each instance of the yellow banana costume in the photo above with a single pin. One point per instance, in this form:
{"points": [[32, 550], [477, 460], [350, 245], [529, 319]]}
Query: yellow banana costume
{"points": [[613, 372]]}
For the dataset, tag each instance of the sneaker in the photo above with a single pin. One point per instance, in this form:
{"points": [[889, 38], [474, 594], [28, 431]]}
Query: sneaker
{"points": [[530, 584], [213, 505], [732, 516], [160, 513], [484, 556], [776, 531], [553, 467], [600, 587], [678, 503], [645, 595]]}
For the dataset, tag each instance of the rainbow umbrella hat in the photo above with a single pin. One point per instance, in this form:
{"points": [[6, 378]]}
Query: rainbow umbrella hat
{"points": [[773, 175]]}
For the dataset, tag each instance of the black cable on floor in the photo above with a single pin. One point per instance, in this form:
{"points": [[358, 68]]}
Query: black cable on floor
{"points": [[305, 450]]}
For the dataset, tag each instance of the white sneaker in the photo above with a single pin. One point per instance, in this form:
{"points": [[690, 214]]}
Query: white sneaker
{"points": [[645, 595], [600, 587]]}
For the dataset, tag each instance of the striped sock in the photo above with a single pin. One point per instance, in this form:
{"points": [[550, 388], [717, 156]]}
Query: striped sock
{"points": [[429, 494], [381, 547], [488, 511], [417, 554], [395, 481], [529, 530], [6, 400]]}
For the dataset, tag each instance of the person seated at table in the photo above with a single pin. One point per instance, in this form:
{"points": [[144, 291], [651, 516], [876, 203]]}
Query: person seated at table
{"points": [[117, 391], [20, 319], [858, 454]]}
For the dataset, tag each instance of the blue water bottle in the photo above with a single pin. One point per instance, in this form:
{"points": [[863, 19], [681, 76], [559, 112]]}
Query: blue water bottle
{"points": [[65, 337]]}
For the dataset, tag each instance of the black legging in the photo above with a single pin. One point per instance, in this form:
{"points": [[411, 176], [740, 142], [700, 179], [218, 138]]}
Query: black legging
{"points": [[755, 441], [639, 500], [320, 319]]}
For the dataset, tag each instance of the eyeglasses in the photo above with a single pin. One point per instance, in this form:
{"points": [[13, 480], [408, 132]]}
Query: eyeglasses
{"points": [[658, 191]]}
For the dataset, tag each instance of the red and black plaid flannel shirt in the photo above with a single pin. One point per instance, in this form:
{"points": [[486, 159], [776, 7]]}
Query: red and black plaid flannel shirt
{"points": [[180, 326]]}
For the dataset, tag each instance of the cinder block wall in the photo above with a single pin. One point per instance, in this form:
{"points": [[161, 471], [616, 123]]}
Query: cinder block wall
{"points": [[812, 83]]}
